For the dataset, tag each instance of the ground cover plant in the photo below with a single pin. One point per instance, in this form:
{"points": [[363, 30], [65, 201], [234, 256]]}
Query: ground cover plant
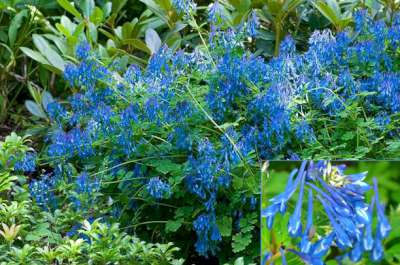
{"points": [[34, 235], [340, 215], [155, 127]]}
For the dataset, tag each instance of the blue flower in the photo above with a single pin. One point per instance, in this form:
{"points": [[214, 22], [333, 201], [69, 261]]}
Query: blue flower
{"points": [[287, 46], [344, 203], [133, 74], [383, 223], [184, 6], [86, 189], [86, 74], [27, 163], [158, 189], [56, 112], [294, 227], [252, 24], [368, 240], [69, 144], [215, 13], [208, 234], [42, 191], [82, 50], [304, 132]]}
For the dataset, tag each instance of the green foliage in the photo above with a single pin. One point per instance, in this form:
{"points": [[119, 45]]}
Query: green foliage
{"points": [[11, 149], [30, 235], [332, 10]]}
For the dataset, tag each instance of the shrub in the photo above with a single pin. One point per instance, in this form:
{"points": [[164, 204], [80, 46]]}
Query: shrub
{"points": [[185, 134]]}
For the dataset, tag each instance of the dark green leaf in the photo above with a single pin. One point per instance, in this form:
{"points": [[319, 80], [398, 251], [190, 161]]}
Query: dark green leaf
{"points": [[15, 24], [70, 8]]}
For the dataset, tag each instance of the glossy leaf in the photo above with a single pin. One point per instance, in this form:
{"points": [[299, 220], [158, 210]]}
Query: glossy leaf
{"points": [[35, 109], [70, 8], [153, 41]]}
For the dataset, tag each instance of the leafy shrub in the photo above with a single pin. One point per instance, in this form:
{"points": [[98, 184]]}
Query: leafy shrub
{"points": [[33, 235], [185, 133]]}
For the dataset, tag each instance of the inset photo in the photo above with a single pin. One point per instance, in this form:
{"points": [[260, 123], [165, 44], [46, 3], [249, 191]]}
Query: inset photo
{"points": [[323, 212]]}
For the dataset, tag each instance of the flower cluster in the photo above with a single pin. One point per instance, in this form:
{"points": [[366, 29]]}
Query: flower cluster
{"points": [[286, 95], [76, 142], [204, 179], [184, 6], [27, 163], [158, 189], [350, 217], [85, 189], [56, 112], [42, 191]]}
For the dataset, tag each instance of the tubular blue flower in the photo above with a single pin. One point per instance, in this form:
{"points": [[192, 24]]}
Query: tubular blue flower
{"points": [[82, 50], [252, 24], [287, 46], [56, 111], [215, 13], [342, 239], [320, 248], [377, 250], [207, 234], [203, 171], [27, 163], [158, 189], [368, 241], [356, 252], [294, 226], [133, 74], [253, 202], [383, 223], [86, 74], [184, 6], [309, 213], [86, 188], [282, 251], [350, 218], [291, 187], [269, 213], [304, 132], [279, 202], [182, 138], [41, 192]]}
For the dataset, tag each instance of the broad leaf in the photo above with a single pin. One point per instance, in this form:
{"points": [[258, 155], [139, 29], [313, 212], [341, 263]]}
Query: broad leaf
{"points": [[15, 24], [70, 8], [45, 49], [153, 41], [47, 98], [34, 109]]}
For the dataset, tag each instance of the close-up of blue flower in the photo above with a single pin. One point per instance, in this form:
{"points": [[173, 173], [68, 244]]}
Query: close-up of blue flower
{"points": [[348, 220]]}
